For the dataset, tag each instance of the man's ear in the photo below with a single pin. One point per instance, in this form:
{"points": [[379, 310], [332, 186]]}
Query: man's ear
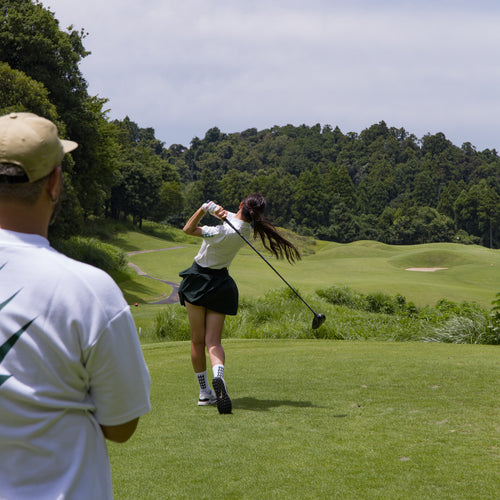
{"points": [[53, 186]]}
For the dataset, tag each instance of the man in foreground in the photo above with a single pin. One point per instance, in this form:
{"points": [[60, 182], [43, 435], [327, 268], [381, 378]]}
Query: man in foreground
{"points": [[71, 369]]}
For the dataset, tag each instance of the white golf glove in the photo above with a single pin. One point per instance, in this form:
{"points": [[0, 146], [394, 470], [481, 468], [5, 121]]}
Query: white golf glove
{"points": [[210, 207]]}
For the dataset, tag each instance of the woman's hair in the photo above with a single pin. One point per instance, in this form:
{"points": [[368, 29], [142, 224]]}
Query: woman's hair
{"points": [[254, 206]]}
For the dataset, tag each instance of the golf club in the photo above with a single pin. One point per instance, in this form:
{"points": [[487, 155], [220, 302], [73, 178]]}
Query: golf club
{"points": [[319, 319]]}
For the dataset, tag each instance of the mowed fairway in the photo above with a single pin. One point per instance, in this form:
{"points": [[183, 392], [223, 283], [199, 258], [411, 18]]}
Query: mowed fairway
{"points": [[320, 419]]}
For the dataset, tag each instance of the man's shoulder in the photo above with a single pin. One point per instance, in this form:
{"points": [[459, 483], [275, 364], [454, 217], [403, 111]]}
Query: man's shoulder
{"points": [[81, 271], [87, 283]]}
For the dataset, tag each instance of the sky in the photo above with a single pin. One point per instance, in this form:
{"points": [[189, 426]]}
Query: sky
{"points": [[185, 66]]}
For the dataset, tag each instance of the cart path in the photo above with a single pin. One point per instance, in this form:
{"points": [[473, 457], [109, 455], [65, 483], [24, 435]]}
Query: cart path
{"points": [[174, 296]]}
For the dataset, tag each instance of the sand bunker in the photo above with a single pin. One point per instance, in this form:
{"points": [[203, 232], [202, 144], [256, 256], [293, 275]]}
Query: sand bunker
{"points": [[425, 269]]}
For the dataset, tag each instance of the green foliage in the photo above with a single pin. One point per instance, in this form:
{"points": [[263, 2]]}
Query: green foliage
{"points": [[170, 324], [94, 252], [342, 296], [377, 302], [22, 93], [463, 330], [145, 185], [32, 43], [19, 92], [495, 318], [380, 302], [381, 184], [446, 309], [279, 314]]}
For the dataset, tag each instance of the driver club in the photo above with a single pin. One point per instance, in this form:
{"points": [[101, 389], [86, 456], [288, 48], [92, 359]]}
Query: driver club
{"points": [[318, 319]]}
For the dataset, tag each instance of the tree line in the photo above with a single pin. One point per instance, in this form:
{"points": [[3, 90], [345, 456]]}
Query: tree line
{"points": [[382, 184]]}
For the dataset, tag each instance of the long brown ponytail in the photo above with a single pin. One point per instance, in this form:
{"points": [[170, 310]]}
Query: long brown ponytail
{"points": [[252, 210]]}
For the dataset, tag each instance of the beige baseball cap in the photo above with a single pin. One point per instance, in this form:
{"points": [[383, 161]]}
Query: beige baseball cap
{"points": [[32, 143]]}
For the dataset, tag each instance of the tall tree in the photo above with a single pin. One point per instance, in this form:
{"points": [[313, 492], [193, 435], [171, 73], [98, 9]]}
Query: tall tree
{"points": [[31, 42], [19, 92]]}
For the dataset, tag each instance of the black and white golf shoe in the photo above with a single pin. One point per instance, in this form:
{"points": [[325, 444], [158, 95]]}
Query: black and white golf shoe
{"points": [[223, 400], [206, 398]]}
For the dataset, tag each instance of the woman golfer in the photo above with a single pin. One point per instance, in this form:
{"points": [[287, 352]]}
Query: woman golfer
{"points": [[209, 293]]}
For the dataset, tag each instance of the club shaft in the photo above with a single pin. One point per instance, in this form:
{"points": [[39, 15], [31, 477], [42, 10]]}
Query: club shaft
{"points": [[268, 263]]}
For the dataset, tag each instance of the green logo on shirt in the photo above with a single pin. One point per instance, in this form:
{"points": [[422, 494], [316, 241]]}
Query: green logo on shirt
{"points": [[9, 343]]}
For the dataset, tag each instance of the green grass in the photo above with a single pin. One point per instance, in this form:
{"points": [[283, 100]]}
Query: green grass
{"points": [[320, 419], [316, 418]]}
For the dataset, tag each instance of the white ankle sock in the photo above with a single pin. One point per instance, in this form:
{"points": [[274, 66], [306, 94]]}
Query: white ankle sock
{"points": [[203, 381], [218, 371]]}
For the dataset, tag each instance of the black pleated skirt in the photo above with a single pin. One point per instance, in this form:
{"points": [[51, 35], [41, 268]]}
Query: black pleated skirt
{"points": [[211, 288]]}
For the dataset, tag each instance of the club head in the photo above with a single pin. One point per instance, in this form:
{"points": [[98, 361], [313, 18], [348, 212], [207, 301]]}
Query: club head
{"points": [[318, 320]]}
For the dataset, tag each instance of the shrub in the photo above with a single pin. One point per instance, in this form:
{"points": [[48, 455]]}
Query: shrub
{"points": [[494, 325], [377, 302], [380, 302], [94, 252], [342, 296], [446, 309]]}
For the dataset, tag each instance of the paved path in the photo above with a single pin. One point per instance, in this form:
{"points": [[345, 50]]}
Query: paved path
{"points": [[174, 296]]}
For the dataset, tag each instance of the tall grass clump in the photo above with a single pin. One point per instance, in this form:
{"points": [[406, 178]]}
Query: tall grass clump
{"points": [[462, 330], [280, 314], [171, 324]]}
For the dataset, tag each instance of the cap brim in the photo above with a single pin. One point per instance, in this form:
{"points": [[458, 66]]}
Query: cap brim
{"points": [[68, 145]]}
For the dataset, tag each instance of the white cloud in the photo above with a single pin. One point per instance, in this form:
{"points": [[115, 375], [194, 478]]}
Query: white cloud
{"points": [[184, 67]]}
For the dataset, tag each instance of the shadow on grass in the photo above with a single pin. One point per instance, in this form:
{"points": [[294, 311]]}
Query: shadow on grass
{"points": [[124, 245], [135, 292], [255, 404]]}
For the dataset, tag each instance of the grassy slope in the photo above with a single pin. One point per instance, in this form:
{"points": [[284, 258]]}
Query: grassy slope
{"points": [[320, 419], [473, 272]]}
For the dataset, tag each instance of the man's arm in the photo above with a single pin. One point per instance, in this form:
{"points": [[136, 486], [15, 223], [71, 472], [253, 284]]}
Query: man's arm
{"points": [[120, 433]]}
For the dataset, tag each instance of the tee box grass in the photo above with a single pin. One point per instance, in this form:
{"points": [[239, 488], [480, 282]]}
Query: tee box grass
{"points": [[320, 419]]}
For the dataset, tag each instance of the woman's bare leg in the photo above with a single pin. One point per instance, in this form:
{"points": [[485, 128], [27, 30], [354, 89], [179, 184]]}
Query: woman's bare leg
{"points": [[206, 331], [196, 315], [214, 323]]}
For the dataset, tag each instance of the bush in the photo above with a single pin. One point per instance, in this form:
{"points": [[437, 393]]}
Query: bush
{"points": [[342, 296], [446, 309], [380, 302], [376, 302], [94, 252], [494, 325]]}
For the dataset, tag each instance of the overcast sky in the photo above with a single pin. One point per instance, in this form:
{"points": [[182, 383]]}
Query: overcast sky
{"points": [[185, 66]]}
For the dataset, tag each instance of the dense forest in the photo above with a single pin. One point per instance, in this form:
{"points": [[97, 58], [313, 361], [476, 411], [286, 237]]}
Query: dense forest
{"points": [[383, 183]]}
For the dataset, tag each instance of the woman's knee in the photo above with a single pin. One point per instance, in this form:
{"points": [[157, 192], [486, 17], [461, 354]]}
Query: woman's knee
{"points": [[198, 343]]}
